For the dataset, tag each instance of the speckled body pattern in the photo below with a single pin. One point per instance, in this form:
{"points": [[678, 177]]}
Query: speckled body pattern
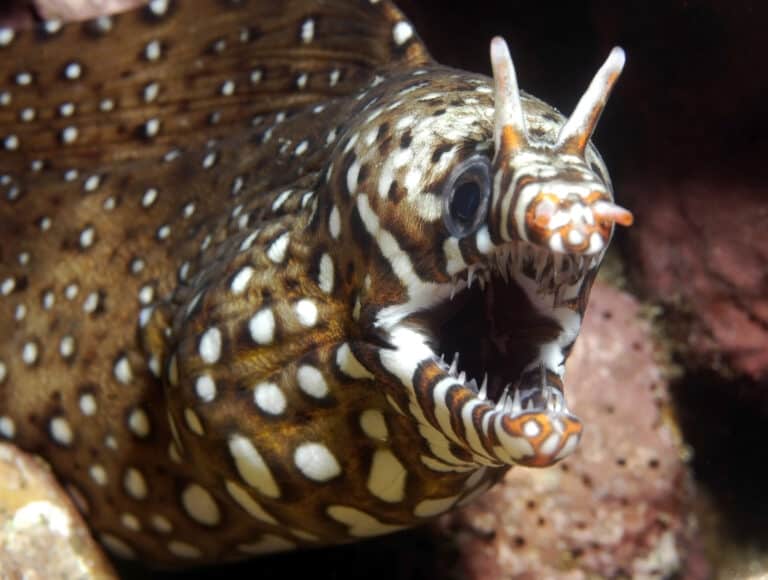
{"points": [[224, 269]]}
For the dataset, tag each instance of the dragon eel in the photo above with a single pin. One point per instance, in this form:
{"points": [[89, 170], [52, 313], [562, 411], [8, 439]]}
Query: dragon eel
{"points": [[270, 277]]}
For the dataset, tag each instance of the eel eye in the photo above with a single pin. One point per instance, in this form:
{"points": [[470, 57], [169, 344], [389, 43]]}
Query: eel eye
{"points": [[466, 194]]}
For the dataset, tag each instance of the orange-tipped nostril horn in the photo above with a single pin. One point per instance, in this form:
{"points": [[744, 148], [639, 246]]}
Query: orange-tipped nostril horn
{"points": [[617, 214]]}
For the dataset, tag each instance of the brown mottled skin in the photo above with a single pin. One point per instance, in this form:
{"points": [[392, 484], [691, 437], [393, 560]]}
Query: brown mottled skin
{"points": [[192, 298]]}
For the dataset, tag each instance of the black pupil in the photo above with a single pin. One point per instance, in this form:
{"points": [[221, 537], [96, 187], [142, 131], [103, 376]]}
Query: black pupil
{"points": [[465, 201]]}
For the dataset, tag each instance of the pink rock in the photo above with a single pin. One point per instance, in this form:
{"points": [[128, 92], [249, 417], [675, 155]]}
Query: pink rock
{"points": [[701, 249], [618, 506]]}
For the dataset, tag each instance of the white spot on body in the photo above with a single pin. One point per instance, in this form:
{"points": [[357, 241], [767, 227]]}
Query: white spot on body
{"points": [[69, 135], [334, 223], [262, 326], [307, 31], [92, 183], [11, 142], [359, 523], [269, 398], [134, 483], [386, 479], [278, 249], [7, 427], [301, 148], [374, 425], [316, 461], [250, 505], [30, 353], [152, 127], [71, 291], [88, 404], [73, 70], [205, 387], [6, 35], [61, 431], [150, 92], [122, 371], [163, 232], [87, 237], [91, 302], [131, 522], [153, 50], [138, 423], [158, 7], [210, 160], [67, 346], [98, 474], [306, 312], [227, 88], [200, 505], [251, 466], [184, 550], [311, 381], [23, 79], [7, 286], [193, 422], [117, 546], [431, 507], [210, 346], [27, 114], [241, 279], [161, 524], [325, 277]]}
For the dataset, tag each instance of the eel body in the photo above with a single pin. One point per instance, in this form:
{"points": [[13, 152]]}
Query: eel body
{"points": [[270, 277]]}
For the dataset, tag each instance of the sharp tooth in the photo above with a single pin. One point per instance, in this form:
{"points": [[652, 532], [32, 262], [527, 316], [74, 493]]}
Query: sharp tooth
{"points": [[470, 276], [472, 385], [517, 407], [529, 406], [454, 365], [462, 377], [481, 280], [483, 394]]}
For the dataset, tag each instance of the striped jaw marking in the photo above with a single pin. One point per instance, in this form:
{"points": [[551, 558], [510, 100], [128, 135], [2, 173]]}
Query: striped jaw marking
{"points": [[483, 354]]}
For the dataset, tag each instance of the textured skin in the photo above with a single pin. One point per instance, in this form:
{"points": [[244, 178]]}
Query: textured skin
{"points": [[223, 250]]}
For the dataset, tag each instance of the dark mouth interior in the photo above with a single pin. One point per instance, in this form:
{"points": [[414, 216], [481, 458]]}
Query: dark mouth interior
{"points": [[495, 330]]}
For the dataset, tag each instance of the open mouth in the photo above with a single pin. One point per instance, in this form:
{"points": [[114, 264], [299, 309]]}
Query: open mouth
{"points": [[503, 333]]}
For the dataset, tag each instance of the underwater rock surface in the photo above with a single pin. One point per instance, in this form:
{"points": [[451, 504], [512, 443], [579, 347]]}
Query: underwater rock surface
{"points": [[709, 267], [42, 535]]}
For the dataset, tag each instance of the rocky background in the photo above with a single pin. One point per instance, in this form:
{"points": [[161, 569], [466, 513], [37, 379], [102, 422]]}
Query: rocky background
{"points": [[671, 372]]}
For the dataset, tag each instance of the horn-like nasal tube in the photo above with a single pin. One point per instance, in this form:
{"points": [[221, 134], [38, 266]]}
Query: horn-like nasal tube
{"points": [[576, 132], [509, 123]]}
